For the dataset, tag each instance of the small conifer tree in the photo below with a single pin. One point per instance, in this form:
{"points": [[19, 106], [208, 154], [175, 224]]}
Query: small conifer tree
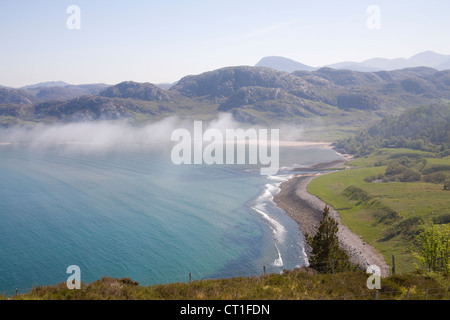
{"points": [[326, 255]]}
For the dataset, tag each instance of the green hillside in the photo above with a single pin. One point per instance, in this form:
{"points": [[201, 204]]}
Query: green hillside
{"points": [[426, 128], [398, 184]]}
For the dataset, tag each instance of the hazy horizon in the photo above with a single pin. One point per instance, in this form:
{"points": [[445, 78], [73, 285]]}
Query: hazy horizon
{"points": [[160, 42], [175, 81]]}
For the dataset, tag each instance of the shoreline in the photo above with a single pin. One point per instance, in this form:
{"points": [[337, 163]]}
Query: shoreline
{"points": [[306, 210]]}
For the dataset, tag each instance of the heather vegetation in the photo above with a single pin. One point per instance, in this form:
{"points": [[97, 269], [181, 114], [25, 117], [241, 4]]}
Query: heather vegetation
{"points": [[298, 284]]}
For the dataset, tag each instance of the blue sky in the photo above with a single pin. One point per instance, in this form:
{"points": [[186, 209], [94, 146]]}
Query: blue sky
{"points": [[163, 40]]}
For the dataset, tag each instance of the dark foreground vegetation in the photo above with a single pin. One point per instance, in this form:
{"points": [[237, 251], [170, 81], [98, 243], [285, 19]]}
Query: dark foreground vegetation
{"points": [[298, 284]]}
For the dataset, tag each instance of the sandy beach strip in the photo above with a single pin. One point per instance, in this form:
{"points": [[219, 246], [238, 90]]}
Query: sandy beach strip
{"points": [[283, 143], [306, 209]]}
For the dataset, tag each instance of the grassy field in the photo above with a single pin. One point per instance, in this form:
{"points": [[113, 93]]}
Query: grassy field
{"points": [[387, 215]]}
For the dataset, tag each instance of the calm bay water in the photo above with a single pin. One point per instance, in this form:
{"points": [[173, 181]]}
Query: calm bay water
{"points": [[134, 214]]}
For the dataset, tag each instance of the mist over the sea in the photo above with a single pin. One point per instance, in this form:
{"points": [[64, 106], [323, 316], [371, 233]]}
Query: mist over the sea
{"points": [[101, 136]]}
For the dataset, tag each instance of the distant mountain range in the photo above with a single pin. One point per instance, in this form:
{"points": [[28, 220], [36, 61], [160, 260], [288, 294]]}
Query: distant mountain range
{"points": [[47, 91], [425, 59], [256, 95], [47, 85]]}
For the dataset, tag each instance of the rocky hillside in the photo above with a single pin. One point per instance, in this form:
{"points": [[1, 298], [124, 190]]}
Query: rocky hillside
{"points": [[251, 94], [139, 91], [14, 96], [225, 82]]}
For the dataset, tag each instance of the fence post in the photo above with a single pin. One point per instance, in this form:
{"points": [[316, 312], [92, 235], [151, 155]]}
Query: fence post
{"points": [[190, 277], [264, 269], [376, 294], [17, 292], [407, 294], [393, 264]]}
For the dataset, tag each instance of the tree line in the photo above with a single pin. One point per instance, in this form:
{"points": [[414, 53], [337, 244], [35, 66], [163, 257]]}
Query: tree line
{"points": [[426, 128]]}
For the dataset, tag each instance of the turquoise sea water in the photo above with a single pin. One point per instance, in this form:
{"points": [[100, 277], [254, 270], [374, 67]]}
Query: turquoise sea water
{"points": [[134, 214]]}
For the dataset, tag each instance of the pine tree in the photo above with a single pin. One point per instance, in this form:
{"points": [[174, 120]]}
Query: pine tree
{"points": [[326, 255]]}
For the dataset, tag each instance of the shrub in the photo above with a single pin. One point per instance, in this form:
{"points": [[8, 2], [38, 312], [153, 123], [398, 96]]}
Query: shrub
{"points": [[355, 193], [442, 219], [434, 248], [437, 177], [395, 168], [383, 213], [410, 175], [435, 168], [128, 281], [447, 184], [405, 226]]}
